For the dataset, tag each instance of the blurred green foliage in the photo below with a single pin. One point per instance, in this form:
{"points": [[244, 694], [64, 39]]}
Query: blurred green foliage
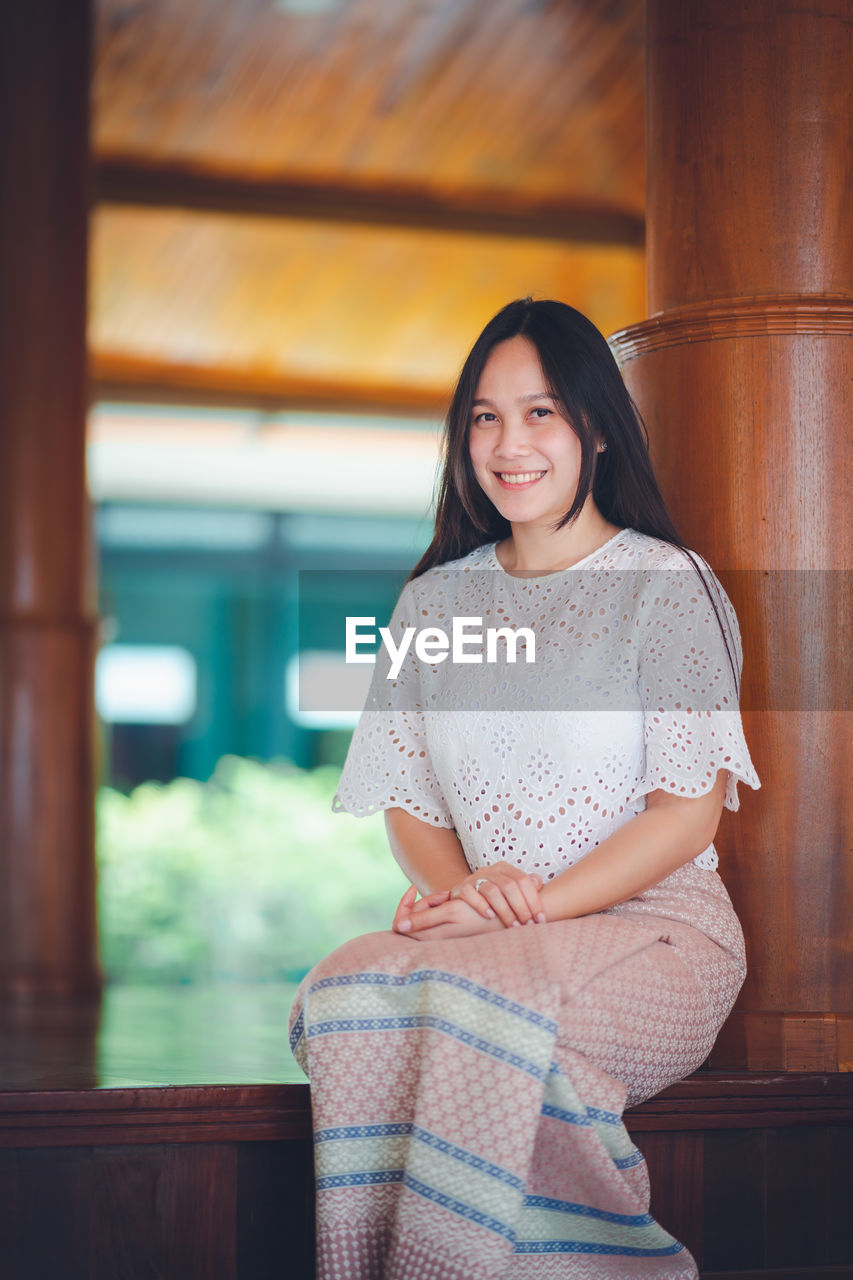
{"points": [[249, 876]]}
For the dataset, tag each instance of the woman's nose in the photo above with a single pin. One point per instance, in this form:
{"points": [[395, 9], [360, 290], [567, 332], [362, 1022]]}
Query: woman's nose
{"points": [[511, 441]]}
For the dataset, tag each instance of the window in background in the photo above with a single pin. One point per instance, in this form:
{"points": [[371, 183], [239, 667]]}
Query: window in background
{"points": [[145, 684], [206, 521], [144, 694]]}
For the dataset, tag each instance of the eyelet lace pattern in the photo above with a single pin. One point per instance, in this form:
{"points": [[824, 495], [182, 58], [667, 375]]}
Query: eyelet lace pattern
{"points": [[631, 691]]}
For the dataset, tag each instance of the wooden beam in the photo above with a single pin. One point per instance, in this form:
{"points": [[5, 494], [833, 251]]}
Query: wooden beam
{"points": [[117, 376], [68, 1114], [474, 212]]}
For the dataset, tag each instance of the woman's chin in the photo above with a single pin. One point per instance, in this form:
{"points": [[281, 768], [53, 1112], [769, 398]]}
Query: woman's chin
{"points": [[539, 513], [523, 506]]}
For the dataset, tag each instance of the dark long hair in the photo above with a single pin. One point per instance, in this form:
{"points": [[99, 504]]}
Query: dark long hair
{"points": [[583, 377]]}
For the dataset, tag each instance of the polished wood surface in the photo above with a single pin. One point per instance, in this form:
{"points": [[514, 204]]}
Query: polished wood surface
{"points": [[745, 377], [219, 1054], [47, 627], [138, 1038]]}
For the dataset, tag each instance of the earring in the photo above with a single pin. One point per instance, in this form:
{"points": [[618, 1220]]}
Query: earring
{"points": [[602, 446]]}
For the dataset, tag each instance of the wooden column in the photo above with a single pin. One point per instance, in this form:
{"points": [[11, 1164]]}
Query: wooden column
{"points": [[745, 376], [47, 615]]}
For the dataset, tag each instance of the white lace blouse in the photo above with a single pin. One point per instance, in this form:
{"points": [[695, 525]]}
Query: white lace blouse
{"points": [[631, 689]]}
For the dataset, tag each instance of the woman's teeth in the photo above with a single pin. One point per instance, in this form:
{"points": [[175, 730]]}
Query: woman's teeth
{"points": [[520, 477]]}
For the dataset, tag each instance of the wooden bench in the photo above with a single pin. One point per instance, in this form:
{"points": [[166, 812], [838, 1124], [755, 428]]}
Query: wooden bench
{"points": [[213, 1182]]}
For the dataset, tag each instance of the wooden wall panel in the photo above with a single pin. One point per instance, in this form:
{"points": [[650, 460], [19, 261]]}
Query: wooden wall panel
{"points": [[795, 1197], [275, 1210], [838, 1184], [121, 1213], [37, 1243], [733, 1199], [749, 1171], [749, 1201], [675, 1165], [209, 1211]]}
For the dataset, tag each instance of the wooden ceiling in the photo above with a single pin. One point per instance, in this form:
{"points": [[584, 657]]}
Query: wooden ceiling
{"points": [[325, 207]]}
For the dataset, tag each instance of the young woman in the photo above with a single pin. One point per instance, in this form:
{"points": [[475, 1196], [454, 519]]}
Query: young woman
{"points": [[573, 950]]}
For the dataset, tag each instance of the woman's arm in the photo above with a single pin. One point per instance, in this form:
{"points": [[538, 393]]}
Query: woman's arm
{"points": [[650, 846], [671, 831], [432, 859]]}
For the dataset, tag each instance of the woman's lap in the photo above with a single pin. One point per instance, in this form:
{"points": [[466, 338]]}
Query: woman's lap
{"points": [[468, 1093], [640, 991]]}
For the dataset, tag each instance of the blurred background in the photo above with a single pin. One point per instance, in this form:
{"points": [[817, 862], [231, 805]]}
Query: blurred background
{"points": [[305, 211]]}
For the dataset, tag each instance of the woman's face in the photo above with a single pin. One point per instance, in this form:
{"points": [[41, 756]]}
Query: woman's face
{"points": [[525, 454]]}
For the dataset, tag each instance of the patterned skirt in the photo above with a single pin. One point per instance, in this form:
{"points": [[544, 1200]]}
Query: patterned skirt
{"points": [[467, 1094]]}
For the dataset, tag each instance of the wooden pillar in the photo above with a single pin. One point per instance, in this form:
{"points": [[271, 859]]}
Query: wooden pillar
{"points": [[745, 376], [47, 615]]}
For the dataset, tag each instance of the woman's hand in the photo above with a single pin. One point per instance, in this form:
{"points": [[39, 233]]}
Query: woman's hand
{"points": [[407, 908], [440, 916], [504, 891]]}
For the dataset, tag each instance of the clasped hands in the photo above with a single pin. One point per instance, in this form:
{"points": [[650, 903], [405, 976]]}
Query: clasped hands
{"points": [[506, 897]]}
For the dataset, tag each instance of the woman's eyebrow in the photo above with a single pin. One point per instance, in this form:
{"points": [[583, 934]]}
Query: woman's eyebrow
{"points": [[535, 395]]}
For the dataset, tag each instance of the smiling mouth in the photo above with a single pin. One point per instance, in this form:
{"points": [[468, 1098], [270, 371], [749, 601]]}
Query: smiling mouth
{"points": [[519, 479]]}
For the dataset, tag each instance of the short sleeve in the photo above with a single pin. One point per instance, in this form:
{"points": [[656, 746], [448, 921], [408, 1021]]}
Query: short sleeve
{"points": [[689, 685], [388, 763]]}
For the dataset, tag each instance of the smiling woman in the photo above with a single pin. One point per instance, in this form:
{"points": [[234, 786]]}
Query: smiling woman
{"points": [[469, 1074], [523, 444]]}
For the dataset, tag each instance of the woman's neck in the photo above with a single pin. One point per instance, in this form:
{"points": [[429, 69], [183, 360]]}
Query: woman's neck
{"points": [[533, 549]]}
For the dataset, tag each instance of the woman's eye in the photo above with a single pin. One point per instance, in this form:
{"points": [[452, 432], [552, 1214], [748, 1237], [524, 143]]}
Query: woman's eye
{"points": [[480, 418], [541, 410]]}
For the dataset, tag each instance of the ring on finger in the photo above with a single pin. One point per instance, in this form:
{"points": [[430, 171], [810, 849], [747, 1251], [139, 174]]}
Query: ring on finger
{"points": [[482, 880]]}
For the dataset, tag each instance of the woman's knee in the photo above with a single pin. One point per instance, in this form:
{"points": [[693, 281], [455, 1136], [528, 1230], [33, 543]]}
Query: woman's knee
{"points": [[359, 955]]}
